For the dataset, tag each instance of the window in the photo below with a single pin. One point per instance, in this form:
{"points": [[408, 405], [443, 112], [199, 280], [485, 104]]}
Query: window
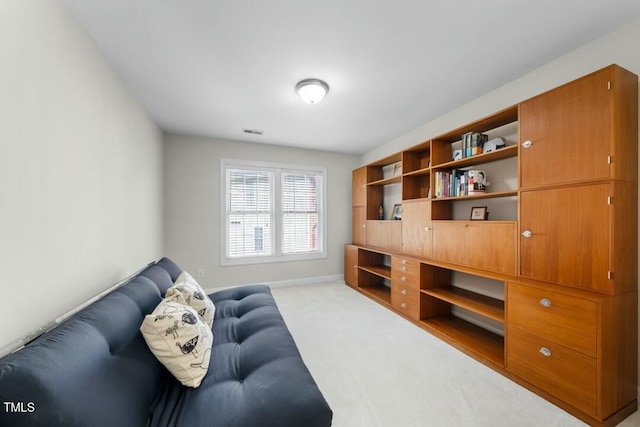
{"points": [[272, 212]]}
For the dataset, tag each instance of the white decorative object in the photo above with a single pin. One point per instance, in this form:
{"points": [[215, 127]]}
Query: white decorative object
{"points": [[179, 339]]}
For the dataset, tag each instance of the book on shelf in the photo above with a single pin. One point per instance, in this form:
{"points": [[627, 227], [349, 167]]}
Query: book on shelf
{"points": [[459, 183], [473, 143]]}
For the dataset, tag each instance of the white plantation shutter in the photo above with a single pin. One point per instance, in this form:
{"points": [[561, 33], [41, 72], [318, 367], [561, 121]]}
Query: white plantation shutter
{"points": [[249, 212], [271, 212], [300, 226]]}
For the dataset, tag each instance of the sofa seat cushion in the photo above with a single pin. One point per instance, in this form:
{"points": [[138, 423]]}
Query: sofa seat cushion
{"points": [[257, 376]]}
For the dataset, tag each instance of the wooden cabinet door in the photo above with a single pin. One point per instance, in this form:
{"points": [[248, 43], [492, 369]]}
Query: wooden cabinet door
{"points": [[486, 245], [416, 228], [358, 225], [569, 232], [385, 235], [351, 265], [569, 133], [359, 186]]}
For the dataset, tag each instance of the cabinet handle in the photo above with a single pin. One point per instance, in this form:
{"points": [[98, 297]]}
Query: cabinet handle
{"points": [[527, 233], [364, 225], [404, 279], [404, 268], [404, 262], [404, 292], [545, 302], [527, 144], [427, 229], [545, 352], [403, 305]]}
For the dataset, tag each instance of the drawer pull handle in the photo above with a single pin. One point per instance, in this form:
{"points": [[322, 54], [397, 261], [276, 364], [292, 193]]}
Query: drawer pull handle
{"points": [[364, 225], [545, 352], [526, 233], [404, 268], [527, 144], [403, 305], [404, 292], [545, 302], [404, 262], [427, 229], [404, 279]]}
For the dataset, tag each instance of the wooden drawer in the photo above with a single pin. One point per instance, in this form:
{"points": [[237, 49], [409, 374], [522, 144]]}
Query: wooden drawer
{"points": [[564, 319], [405, 272], [565, 373], [406, 300]]}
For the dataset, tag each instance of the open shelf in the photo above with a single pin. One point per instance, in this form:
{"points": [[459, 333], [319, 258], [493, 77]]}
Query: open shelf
{"points": [[490, 195], [379, 293], [495, 120], [492, 156], [468, 337], [480, 304], [385, 181], [379, 270], [423, 171]]}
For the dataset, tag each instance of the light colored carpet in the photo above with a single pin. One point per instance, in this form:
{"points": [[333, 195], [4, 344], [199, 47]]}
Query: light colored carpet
{"points": [[378, 370]]}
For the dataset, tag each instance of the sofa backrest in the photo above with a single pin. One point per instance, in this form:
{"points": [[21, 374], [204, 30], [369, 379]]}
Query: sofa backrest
{"points": [[94, 369]]}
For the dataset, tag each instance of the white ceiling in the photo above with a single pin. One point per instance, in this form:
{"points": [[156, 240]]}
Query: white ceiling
{"points": [[214, 67]]}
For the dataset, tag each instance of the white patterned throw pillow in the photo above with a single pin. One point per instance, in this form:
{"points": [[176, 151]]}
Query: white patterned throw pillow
{"points": [[179, 339], [194, 296]]}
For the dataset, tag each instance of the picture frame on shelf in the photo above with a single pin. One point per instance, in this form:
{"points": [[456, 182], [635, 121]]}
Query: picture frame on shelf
{"points": [[397, 169], [479, 213], [397, 212]]}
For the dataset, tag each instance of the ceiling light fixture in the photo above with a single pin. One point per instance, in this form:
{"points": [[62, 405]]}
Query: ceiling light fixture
{"points": [[312, 90]]}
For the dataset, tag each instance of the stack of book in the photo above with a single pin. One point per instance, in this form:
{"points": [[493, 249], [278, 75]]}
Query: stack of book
{"points": [[459, 183], [472, 143]]}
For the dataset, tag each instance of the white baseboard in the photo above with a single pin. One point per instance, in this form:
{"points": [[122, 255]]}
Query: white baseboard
{"points": [[305, 281], [285, 283]]}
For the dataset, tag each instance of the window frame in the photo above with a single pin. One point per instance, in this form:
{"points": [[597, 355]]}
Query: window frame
{"points": [[277, 213]]}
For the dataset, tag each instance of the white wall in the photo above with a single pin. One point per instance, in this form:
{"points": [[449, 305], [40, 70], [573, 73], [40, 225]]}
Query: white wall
{"points": [[619, 47], [80, 170], [192, 209]]}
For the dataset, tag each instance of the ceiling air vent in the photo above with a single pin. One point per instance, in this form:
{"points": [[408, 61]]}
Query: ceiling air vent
{"points": [[252, 131]]}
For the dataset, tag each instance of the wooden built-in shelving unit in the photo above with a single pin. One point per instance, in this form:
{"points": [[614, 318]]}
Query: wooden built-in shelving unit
{"points": [[560, 245]]}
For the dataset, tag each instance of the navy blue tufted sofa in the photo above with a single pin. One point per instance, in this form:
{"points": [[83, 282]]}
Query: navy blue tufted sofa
{"points": [[95, 369]]}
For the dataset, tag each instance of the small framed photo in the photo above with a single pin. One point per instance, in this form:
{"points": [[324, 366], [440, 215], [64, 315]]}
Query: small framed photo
{"points": [[397, 211], [479, 213], [397, 169]]}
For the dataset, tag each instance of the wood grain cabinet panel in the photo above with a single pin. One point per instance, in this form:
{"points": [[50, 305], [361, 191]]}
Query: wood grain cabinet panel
{"points": [[565, 236], [569, 130], [416, 228], [405, 272], [565, 373], [359, 186], [359, 225], [564, 319], [385, 235], [486, 245], [583, 130], [406, 300], [351, 265]]}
